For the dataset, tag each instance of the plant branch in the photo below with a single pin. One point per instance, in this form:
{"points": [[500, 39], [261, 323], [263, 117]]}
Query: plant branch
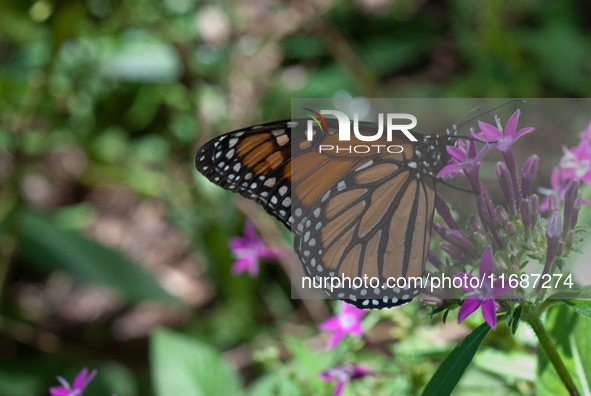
{"points": [[533, 318]]}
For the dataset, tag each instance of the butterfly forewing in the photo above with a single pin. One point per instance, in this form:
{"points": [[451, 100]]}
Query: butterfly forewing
{"points": [[255, 162]]}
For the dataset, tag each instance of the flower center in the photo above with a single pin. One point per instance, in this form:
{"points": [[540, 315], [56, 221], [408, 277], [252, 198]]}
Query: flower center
{"points": [[346, 321]]}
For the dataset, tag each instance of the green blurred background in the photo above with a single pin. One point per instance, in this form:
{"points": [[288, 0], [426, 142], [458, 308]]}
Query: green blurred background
{"points": [[106, 230]]}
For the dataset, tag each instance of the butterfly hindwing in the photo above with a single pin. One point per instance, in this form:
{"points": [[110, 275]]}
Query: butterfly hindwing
{"points": [[374, 222]]}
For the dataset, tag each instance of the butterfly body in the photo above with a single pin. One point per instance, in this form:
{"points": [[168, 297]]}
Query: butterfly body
{"points": [[352, 214]]}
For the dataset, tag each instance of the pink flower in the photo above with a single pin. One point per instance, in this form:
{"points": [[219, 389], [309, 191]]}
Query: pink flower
{"points": [[463, 157], [557, 186], [484, 294], [505, 139], [346, 321], [576, 162], [249, 249], [82, 380], [344, 374]]}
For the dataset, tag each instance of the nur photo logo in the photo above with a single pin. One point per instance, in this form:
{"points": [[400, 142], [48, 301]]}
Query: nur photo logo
{"points": [[344, 132]]}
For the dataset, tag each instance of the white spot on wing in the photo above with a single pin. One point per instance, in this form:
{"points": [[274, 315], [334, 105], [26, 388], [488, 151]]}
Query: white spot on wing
{"points": [[367, 164]]}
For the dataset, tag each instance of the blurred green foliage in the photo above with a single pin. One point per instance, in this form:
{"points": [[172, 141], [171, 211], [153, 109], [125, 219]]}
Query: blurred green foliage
{"points": [[102, 95]]}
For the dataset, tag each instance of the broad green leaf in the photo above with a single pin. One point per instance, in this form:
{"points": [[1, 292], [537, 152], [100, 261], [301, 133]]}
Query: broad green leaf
{"points": [[451, 370], [582, 307], [273, 384], [185, 366], [571, 334], [51, 248], [510, 365]]}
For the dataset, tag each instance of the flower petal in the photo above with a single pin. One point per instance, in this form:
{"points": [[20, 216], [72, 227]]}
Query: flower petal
{"points": [[355, 329], [82, 380], [511, 126], [448, 170], [330, 324], [249, 230], [466, 285], [268, 252], [335, 339], [489, 311], [59, 391], [244, 264], [469, 306], [457, 153], [522, 132], [486, 263], [491, 132], [349, 309], [79, 381], [500, 286], [482, 152], [237, 243], [339, 388]]}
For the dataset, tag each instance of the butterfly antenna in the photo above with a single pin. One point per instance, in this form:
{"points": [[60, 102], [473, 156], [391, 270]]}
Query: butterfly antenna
{"points": [[458, 188], [454, 128], [489, 111]]}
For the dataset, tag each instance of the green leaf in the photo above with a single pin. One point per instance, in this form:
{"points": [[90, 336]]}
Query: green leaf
{"points": [[510, 365], [274, 384], [571, 334], [451, 370], [516, 319], [185, 366], [582, 307], [51, 248]]}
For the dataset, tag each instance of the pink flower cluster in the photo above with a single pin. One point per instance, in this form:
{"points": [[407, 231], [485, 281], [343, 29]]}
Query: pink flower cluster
{"points": [[575, 164]]}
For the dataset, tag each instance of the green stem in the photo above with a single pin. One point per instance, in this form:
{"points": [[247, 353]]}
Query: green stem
{"points": [[533, 318]]}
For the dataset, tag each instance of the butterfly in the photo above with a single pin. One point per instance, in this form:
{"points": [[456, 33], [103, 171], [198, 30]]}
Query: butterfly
{"points": [[353, 214]]}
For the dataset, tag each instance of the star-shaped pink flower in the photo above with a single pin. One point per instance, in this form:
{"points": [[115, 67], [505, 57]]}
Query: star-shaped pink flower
{"points": [[463, 157], [80, 383], [344, 374], [505, 139], [249, 249], [346, 321], [484, 294]]}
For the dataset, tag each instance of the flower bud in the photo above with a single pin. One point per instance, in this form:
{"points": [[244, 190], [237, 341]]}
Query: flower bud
{"points": [[576, 209], [457, 238], [553, 203], [445, 212], [505, 182], [510, 227], [538, 255], [453, 251], [441, 230], [560, 250], [569, 240], [502, 215], [433, 259], [571, 195], [534, 203], [525, 216], [431, 301], [553, 232], [479, 239], [476, 225], [528, 173]]}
